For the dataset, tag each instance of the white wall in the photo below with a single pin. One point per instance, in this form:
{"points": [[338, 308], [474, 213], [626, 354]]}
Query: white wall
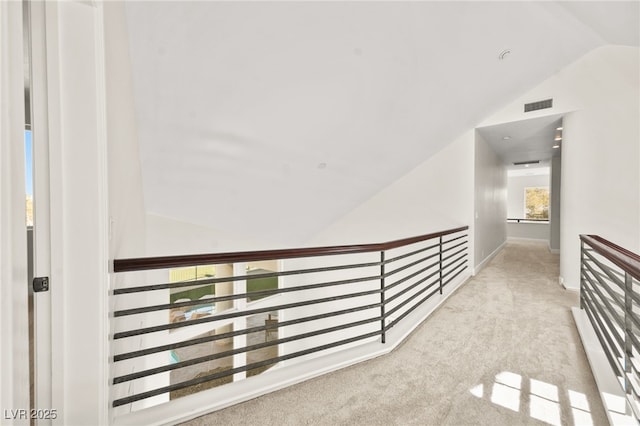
{"points": [[167, 237], [436, 195], [126, 199], [78, 204], [556, 205], [490, 202], [600, 174], [126, 210], [515, 192], [528, 231]]}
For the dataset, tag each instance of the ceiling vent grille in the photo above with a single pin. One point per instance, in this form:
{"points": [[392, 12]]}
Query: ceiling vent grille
{"points": [[534, 106]]}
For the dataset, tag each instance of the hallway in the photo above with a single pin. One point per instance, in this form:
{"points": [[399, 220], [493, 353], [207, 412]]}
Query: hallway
{"points": [[503, 350]]}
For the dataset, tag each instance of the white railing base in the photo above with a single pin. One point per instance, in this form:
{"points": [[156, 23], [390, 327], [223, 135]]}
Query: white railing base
{"points": [[613, 398]]}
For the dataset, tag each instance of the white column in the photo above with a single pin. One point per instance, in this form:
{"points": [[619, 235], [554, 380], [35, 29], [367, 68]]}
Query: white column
{"points": [[224, 289], [240, 323], [78, 212]]}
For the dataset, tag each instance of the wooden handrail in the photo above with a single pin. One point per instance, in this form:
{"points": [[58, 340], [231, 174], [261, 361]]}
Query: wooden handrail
{"points": [[146, 263], [623, 258]]}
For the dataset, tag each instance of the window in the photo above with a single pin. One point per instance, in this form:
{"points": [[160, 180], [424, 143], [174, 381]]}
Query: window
{"points": [[536, 203]]}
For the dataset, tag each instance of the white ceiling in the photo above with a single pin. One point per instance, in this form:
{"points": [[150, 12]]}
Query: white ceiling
{"points": [[528, 140], [275, 119]]}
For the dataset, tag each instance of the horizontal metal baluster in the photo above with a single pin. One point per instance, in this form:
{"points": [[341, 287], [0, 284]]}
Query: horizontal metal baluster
{"points": [[249, 312], [409, 265], [404, 256], [448, 270], [604, 338], [412, 275], [457, 273], [220, 355], [444, 242], [203, 282], [165, 306], [280, 324], [412, 297], [616, 312], [412, 308], [182, 385]]}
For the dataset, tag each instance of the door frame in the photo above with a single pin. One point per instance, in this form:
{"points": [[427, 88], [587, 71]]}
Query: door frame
{"points": [[14, 329], [41, 230], [72, 237]]}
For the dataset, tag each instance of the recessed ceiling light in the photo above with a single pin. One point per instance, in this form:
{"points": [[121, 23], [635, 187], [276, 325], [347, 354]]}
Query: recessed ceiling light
{"points": [[506, 138], [526, 165], [556, 146], [503, 55], [558, 138], [558, 128]]}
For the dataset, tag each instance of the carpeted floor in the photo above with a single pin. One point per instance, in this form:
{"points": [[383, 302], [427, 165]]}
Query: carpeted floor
{"points": [[503, 350]]}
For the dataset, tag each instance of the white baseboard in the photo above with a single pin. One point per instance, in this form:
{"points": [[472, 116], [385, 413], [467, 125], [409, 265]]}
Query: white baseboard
{"points": [[552, 250], [488, 259], [610, 391], [537, 240]]}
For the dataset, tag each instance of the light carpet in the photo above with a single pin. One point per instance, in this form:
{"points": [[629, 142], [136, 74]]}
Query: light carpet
{"points": [[503, 350]]}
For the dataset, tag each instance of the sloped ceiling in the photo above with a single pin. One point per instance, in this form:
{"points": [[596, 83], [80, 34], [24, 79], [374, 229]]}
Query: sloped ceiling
{"points": [[275, 119]]}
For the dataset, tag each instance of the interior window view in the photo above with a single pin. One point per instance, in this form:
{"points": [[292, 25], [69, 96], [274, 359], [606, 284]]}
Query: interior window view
{"points": [[528, 194], [319, 213], [257, 287]]}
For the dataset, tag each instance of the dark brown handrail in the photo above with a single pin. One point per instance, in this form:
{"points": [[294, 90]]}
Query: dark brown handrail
{"points": [[520, 219], [146, 263], [625, 259]]}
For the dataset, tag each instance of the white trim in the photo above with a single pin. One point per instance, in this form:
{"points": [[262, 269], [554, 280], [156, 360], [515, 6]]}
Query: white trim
{"points": [[192, 406], [566, 287], [534, 240], [609, 389], [56, 223], [79, 377], [41, 208], [102, 189], [484, 263], [529, 222], [14, 332]]}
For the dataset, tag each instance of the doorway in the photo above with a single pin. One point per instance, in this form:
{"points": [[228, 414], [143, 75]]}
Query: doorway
{"points": [[529, 154]]}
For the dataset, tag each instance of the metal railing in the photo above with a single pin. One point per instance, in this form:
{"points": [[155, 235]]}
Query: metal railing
{"points": [[525, 220], [610, 296], [326, 298]]}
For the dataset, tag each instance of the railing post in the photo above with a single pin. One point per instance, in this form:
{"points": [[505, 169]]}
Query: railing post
{"points": [[383, 335], [440, 248], [628, 348], [582, 279]]}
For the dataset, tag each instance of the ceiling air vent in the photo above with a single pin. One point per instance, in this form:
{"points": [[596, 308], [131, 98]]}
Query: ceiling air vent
{"points": [[534, 106]]}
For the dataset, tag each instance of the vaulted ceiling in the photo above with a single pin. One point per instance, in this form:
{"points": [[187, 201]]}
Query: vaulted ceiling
{"points": [[275, 119]]}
